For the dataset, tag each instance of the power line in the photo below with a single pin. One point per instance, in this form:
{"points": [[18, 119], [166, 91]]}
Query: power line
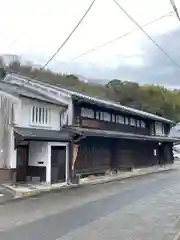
{"points": [[175, 8], [150, 38], [121, 36], [71, 33]]}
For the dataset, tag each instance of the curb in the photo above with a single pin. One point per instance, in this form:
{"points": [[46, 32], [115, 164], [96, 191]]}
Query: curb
{"points": [[38, 193], [116, 179]]}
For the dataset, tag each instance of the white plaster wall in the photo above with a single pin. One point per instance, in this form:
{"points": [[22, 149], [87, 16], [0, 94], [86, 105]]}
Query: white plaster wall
{"points": [[26, 109], [9, 115], [13, 152], [38, 152], [41, 152], [70, 113]]}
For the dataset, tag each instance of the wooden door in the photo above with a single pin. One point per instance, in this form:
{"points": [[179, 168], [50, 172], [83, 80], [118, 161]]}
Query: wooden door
{"points": [[58, 163], [125, 160], [22, 162]]}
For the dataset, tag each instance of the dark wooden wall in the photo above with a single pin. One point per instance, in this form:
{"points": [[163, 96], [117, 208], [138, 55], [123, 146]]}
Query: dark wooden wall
{"points": [[90, 123], [100, 124], [98, 154], [94, 155]]}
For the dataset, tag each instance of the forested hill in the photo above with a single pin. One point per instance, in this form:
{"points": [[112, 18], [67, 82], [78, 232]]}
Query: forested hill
{"points": [[154, 99]]}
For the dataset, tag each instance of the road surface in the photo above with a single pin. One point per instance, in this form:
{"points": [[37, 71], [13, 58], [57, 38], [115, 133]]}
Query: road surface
{"points": [[142, 208]]}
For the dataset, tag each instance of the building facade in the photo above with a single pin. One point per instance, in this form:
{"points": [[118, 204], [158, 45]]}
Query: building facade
{"points": [[51, 134], [116, 137]]}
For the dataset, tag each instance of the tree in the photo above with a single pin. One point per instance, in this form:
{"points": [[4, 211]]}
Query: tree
{"points": [[154, 99]]}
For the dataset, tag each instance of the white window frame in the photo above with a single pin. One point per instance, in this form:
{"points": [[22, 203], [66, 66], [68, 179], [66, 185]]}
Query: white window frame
{"points": [[40, 116]]}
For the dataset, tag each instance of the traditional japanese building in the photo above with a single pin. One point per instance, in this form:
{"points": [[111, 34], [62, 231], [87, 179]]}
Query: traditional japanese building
{"points": [[112, 136], [51, 133]]}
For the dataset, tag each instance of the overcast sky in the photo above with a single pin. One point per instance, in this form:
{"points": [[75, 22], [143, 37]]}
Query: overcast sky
{"points": [[36, 28]]}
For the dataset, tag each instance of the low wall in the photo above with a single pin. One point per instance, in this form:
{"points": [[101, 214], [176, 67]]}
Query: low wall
{"points": [[6, 175]]}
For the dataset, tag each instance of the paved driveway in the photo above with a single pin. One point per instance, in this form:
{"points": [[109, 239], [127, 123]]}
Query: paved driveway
{"points": [[145, 208]]}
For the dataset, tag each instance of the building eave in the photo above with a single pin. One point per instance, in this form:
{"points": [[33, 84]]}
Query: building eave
{"points": [[115, 134]]}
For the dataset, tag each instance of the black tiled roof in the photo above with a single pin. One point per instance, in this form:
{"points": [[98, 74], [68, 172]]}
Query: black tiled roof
{"points": [[42, 134], [25, 92]]}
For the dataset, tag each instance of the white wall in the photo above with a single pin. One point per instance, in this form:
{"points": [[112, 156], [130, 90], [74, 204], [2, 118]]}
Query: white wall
{"points": [[41, 152], [9, 112], [40, 156], [38, 152], [26, 111]]}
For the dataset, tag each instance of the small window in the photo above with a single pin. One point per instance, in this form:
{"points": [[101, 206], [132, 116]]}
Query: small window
{"points": [[40, 116], [138, 123], [113, 118], [159, 128], [85, 112], [107, 117], [143, 125], [101, 116], [63, 118], [119, 119], [132, 122], [126, 120], [98, 115]]}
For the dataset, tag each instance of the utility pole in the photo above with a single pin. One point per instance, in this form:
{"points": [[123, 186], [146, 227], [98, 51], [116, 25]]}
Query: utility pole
{"points": [[175, 8]]}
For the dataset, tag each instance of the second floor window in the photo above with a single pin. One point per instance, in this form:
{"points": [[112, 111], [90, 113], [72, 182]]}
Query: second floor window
{"points": [[132, 122], [63, 118], [119, 119], [113, 118], [126, 120], [105, 116], [138, 123], [40, 115], [97, 115], [159, 128], [86, 112], [143, 125]]}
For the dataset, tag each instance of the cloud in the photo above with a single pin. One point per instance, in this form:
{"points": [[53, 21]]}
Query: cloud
{"points": [[36, 35], [149, 66]]}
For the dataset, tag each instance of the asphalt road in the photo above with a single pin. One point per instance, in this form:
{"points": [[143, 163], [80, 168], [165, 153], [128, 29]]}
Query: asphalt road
{"points": [[145, 208]]}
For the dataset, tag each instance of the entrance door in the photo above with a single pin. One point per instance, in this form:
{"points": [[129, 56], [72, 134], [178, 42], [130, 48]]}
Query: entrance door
{"points": [[22, 162], [58, 163]]}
